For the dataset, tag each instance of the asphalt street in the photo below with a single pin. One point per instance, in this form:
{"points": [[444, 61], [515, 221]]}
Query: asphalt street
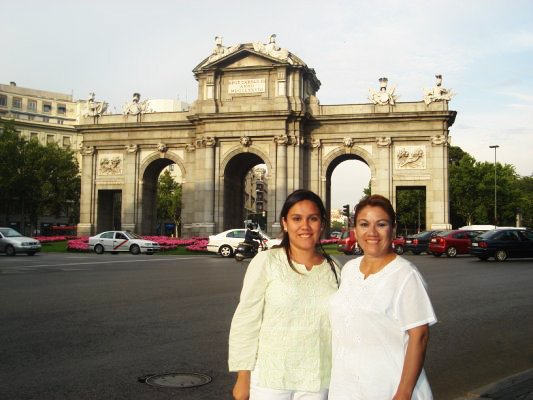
{"points": [[82, 326]]}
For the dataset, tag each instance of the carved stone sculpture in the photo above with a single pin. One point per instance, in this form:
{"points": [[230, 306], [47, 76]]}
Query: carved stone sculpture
{"points": [[136, 106], [348, 142], [132, 148], [94, 108], [88, 150], [220, 51], [162, 148], [282, 139], [315, 144], [110, 166], [438, 140], [385, 95], [273, 50], [437, 92], [383, 141], [408, 157], [245, 141]]}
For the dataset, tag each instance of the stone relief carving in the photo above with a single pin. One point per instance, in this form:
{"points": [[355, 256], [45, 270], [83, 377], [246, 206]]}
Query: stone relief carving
{"points": [[315, 143], [132, 148], [162, 147], [245, 141], [383, 141], [282, 139], [438, 140], [190, 147], [348, 142], [88, 150], [437, 92], [136, 106], [410, 157], [110, 166], [273, 50], [209, 141], [221, 51], [385, 95], [94, 108]]}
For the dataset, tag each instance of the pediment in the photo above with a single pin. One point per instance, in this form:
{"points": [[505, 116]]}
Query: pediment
{"points": [[247, 55]]}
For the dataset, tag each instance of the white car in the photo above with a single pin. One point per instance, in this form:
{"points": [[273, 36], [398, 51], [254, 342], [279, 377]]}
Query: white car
{"points": [[115, 241], [12, 242], [226, 242]]}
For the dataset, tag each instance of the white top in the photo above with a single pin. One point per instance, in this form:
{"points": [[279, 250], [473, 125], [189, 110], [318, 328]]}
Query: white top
{"points": [[369, 319], [281, 324]]}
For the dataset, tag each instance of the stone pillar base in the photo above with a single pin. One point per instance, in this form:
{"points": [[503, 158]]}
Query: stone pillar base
{"points": [[129, 227], [85, 230]]}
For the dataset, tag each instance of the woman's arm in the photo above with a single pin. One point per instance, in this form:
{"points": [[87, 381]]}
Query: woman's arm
{"points": [[241, 390], [414, 361]]}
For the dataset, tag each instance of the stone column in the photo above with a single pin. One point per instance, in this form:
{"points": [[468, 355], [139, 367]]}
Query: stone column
{"points": [[130, 193], [281, 177], [86, 226], [188, 192], [204, 223], [316, 167]]}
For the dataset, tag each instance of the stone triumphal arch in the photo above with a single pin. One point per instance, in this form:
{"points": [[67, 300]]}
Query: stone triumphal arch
{"points": [[257, 104]]}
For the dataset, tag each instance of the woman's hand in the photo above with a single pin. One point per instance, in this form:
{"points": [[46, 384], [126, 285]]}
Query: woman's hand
{"points": [[241, 390]]}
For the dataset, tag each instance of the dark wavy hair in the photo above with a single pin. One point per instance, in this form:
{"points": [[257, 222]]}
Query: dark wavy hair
{"points": [[376, 200], [292, 199]]}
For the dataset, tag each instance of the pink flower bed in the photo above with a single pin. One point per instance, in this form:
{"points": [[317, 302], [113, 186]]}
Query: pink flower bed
{"points": [[329, 241], [166, 243], [48, 239]]}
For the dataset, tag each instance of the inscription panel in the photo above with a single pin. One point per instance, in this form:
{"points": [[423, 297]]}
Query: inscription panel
{"points": [[246, 86]]}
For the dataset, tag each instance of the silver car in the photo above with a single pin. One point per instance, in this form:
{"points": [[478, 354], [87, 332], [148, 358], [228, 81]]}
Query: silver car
{"points": [[12, 242]]}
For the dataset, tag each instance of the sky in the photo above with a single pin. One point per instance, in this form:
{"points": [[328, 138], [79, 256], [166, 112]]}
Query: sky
{"points": [[483, 49]]}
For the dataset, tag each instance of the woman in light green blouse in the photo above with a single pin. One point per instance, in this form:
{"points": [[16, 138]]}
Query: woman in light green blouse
{"points": [[280, 339]]}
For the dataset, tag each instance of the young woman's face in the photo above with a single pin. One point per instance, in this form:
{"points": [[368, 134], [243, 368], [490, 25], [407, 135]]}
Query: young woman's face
{"points": [[373, 230], [303, 225]]}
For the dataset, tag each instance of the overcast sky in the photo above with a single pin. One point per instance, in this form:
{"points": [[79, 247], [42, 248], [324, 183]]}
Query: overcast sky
{"points": [[483, 49]]}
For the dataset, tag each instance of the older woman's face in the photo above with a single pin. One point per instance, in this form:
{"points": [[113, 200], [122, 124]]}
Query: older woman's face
{"points": [[374, 230]]}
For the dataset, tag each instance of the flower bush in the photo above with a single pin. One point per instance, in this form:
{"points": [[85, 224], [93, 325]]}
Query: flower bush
{"points": [[329, 241], [78, 244], [166, 243]]}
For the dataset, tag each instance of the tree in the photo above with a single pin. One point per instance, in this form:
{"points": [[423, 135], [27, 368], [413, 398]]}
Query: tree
{"points": [[169, 201], [410, 209], [35, 178]]}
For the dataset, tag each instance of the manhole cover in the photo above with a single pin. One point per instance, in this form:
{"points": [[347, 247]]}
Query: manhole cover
{"points": [[178, 380]]}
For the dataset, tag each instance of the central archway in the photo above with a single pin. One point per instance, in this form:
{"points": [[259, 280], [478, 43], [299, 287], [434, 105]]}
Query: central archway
{"points": [[234, 187]]}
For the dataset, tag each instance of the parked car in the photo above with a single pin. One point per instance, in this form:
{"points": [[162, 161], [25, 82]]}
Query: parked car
{"points": [[503, 244], [12, 242], [398, 244], [115, 241], [419, 242], [225, 243], [452, 242], [347, 243]]}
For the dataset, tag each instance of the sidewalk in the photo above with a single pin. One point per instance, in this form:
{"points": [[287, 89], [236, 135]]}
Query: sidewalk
{"points": [[515, 387]]}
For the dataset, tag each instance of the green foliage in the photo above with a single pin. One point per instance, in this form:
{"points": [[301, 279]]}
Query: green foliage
{"points": [[35, 178], [410, 210], [336, 226], [169, 200], [472, 192]]}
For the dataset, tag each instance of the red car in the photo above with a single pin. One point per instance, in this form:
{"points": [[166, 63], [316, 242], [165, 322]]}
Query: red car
{"points": [[451, 243]]}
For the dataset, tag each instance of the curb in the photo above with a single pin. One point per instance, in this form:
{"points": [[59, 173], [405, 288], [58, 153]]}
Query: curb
{"points": [[514, 387]]}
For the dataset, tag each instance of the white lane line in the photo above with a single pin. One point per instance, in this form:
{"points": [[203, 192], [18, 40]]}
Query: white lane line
{"points": [[106, 262]]}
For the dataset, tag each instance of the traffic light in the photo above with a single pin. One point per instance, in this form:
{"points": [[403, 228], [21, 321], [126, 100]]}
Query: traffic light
{"points": [[346, 210]]}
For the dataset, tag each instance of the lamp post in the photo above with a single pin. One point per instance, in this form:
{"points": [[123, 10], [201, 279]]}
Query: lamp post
{"points": [[495, 215]]}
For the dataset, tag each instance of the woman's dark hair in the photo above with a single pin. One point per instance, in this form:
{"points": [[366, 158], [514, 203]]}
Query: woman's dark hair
{"points": [[292, 199], [376, 200]]}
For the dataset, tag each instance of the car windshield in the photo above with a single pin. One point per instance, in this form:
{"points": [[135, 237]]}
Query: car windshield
{"points": [[10, 233]]}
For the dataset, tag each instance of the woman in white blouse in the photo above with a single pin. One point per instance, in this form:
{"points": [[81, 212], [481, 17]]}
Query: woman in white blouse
{"points": [[379, 317], [280, 337]]}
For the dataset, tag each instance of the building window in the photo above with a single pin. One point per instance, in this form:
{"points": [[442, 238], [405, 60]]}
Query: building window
{"points": [[34, 135], [61, 109], [3, 100], [47, 107], [32, 105], [66, 142], [60, 121], [49, 139], [17, 102]]}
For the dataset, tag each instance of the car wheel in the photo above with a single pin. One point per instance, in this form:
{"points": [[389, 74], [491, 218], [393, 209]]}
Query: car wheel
{"points": [[437, 254], [10, 251], [500, 255], [451, 252], [99, 249], [398, 250], [134, 249], [226, 251]]}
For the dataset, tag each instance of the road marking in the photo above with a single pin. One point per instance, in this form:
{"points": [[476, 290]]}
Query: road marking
{"points": [[107, 262]]}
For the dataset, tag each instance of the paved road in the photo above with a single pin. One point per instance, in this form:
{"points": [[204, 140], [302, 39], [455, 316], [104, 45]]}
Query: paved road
{"points": [[81, 326]]}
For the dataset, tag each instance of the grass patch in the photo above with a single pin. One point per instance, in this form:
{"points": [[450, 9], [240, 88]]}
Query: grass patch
{"points": [[54, 247]]}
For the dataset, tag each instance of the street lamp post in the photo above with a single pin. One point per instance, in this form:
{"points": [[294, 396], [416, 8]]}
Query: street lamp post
{"points": [[495, 197]]}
